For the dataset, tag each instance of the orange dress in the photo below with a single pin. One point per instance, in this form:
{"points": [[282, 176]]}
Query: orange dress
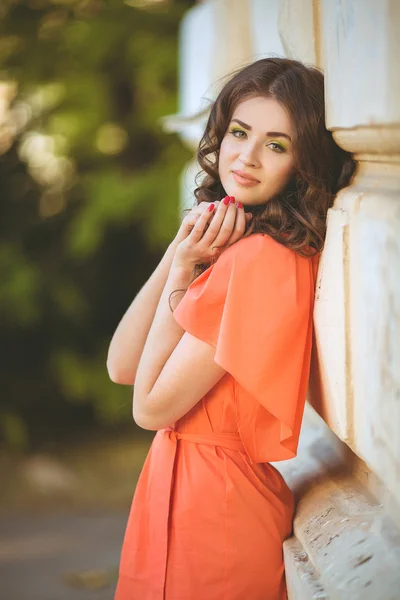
{"points": [[209, 513]]}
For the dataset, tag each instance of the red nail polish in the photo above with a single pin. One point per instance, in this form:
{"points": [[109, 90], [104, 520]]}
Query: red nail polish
{"points": [[226, 200], [232, 199], [211, 207], [240, 205]]}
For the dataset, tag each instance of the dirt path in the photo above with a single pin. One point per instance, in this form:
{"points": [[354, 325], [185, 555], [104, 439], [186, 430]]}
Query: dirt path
{"points": [[60, 556]]}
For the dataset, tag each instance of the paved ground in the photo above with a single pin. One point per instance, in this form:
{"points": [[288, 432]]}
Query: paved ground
{"points": [[60, 557]]}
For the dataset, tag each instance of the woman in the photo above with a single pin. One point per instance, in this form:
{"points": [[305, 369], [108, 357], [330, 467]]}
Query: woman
{"points": [[218, 346]]}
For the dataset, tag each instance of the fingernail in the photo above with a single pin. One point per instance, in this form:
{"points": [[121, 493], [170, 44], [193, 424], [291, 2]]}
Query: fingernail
{"points": [[240, 205], [232, 199], [226, 200], [211, 207]]}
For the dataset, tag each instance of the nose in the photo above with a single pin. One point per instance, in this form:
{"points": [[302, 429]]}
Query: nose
{"points": [[249, 155]]}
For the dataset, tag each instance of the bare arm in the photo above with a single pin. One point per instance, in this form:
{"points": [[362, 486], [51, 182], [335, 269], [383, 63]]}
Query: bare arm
{"points": [[176, 369], [129, 339], [130, 336]]}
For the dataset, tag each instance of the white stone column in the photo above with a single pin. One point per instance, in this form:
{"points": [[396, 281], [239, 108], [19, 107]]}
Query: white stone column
{"points": [[357, 315], [299, 28], [347, 478]]}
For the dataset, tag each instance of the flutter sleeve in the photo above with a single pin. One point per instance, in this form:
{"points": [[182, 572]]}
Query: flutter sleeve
{"points": [[255, 305]]}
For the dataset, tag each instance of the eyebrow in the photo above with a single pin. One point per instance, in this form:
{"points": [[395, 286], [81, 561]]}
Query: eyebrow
{"points": [[269, 133]]}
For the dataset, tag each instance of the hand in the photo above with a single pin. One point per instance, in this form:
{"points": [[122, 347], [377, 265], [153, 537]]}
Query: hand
{"points": [[190, 219], [212, 231]]}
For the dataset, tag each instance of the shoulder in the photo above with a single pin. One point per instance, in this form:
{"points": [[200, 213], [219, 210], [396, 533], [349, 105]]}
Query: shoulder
{"points": [[255, 246], [260, 242], [259, 256], [264, 246]]}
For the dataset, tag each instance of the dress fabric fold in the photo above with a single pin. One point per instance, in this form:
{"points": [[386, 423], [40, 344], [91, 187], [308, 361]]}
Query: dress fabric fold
{"points": [[209, 513]]}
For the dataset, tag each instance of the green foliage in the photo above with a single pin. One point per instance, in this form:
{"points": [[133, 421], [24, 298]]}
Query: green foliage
{"points": [[14, 431], [20, 286], [90, 200]]}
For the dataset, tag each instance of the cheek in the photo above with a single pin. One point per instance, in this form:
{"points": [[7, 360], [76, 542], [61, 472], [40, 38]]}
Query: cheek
{"points": [[277, 175], [284, 171], [289, 171], [225, 154], [227, 149]]}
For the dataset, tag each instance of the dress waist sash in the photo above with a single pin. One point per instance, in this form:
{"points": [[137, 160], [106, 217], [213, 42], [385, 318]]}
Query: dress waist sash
{"points": [[224, 440], [155, 485]]}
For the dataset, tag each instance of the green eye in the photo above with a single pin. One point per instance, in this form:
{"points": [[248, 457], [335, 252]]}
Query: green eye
{"points": [[237, 134], [278, 146], [234, 131]]}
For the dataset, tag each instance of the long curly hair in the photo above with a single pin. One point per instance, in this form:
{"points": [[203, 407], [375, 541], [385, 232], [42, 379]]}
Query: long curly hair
{"points": [[296, 217]]}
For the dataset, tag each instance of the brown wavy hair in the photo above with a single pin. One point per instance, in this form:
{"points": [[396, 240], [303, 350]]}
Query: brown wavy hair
{"points": [[296, 217]]}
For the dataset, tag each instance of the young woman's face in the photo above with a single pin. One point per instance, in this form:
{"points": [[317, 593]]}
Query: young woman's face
{"points": [[257, 145]]}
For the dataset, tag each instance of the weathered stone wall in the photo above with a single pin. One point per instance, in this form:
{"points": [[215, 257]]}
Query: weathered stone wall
{"points": [[346, 477], [347, 542]]}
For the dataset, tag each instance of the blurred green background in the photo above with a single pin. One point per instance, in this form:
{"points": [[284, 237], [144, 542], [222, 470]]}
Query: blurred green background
{"points": [[89, 202]]}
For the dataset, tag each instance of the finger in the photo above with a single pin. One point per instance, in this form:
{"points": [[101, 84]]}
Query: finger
{"points": [[223, 224], [192, 219], [199, 228], [200, 207], [218, 217], [195, 214], [240, 226]]}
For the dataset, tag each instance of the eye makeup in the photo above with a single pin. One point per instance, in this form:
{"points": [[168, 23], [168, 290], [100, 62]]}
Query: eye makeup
{"points": [[236, 129], [269, 133], [280, 147]]}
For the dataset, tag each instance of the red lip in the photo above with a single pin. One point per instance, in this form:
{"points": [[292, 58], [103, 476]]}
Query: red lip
{"points": [[246, 176]]}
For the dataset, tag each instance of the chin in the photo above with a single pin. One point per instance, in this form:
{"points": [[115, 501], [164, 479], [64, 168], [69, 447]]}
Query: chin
{"points": [[245, 200], [239, 194]]}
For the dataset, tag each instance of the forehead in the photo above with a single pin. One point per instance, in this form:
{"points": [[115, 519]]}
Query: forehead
{"points": [[264, 114]]}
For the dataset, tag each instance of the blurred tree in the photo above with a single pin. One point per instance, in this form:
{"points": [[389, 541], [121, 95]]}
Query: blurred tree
{"points": [[90, 188]]}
